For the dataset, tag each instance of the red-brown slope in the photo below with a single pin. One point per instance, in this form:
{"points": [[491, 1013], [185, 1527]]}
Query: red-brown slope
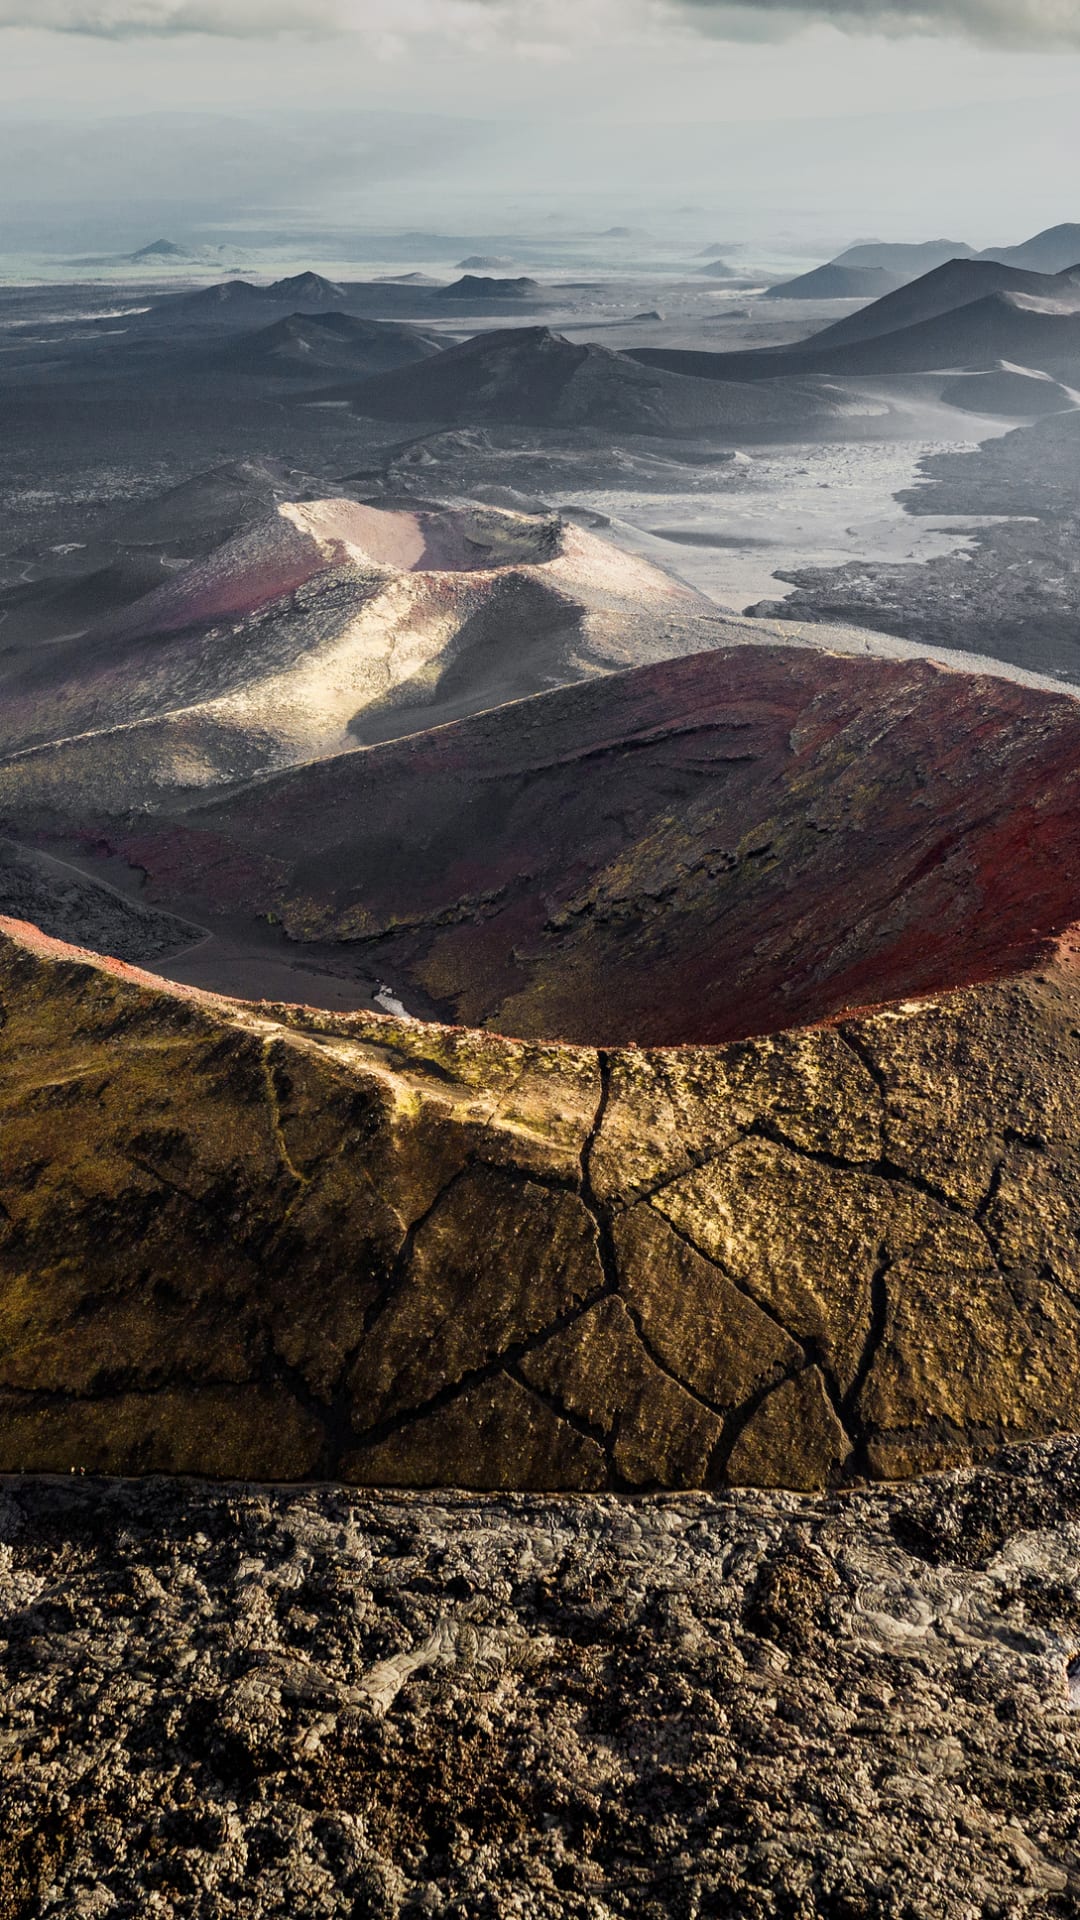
{"points": [[722, 845]]}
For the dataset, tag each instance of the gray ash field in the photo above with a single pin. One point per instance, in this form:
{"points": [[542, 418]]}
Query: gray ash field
{"points": [[1013, 594]]}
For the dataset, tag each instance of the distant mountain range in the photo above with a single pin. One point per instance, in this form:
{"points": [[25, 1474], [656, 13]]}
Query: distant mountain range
{"points": [[851, 275], [968, 314]]}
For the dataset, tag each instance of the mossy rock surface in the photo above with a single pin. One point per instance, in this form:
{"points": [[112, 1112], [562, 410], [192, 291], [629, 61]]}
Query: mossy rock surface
{"points": [[272, 1243]]}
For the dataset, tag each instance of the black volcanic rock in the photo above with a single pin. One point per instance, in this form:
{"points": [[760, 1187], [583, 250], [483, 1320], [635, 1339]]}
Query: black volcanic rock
{"points": [[980, 1559], [67, 905]]}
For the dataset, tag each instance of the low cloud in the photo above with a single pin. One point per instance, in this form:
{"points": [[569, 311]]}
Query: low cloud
{"points": [[1040, 25], [117, 19], [1034, 24]]}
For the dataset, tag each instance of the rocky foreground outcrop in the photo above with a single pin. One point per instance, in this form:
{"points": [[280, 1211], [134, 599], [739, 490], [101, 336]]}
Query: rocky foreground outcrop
{"points": [[277, 1244], [311, 1701]]}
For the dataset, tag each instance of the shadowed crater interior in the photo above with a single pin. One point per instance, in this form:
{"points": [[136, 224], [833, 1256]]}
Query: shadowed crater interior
{"points": [[720, 846]]}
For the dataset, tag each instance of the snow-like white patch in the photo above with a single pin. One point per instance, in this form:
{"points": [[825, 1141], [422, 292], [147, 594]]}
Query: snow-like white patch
{"points": [[386, 998]]}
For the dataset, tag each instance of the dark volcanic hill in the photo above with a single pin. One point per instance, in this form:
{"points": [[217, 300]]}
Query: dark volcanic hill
{"points": [[472, 286], [313, 346], [720, 845], [837, 282], [1049, 252], [1010, 392], [1042, 334], [970, 314], [906, 259], [957, 284], [307, 288], [530, 376], [239, 299], [218, 299], [206, 510], [137, 550]]}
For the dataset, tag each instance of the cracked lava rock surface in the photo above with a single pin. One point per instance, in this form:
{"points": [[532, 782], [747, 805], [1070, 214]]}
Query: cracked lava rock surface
{"points": [[278, 1244], [320, 1702]]}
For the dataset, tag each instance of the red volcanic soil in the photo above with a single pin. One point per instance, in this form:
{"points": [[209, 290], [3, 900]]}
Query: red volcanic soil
{"points": [[300, 540], [720, 846]]}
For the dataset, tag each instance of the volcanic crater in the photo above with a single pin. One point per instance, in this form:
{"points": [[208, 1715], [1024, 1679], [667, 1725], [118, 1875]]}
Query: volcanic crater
{"points": [[776, 1182], [689, 853]]}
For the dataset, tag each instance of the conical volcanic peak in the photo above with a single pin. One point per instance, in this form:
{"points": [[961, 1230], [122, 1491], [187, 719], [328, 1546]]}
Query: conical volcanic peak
{"points": [[314, 346], [321, 625]]}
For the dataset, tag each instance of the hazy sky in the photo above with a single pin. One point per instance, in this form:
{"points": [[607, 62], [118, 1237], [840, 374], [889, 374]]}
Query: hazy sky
{"points": [[850, 93]]}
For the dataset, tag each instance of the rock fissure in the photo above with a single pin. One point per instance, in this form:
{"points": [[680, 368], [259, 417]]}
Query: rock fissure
{"points": [[837, 1398], [740, 1418], [403, 1258], [274, 1109], [507, 1359], [601, 1214], [696, 1160], [606, 1438], [881, 1168], [203, 1207], [740, 1286], [850, 1410], [657, 1360]]}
